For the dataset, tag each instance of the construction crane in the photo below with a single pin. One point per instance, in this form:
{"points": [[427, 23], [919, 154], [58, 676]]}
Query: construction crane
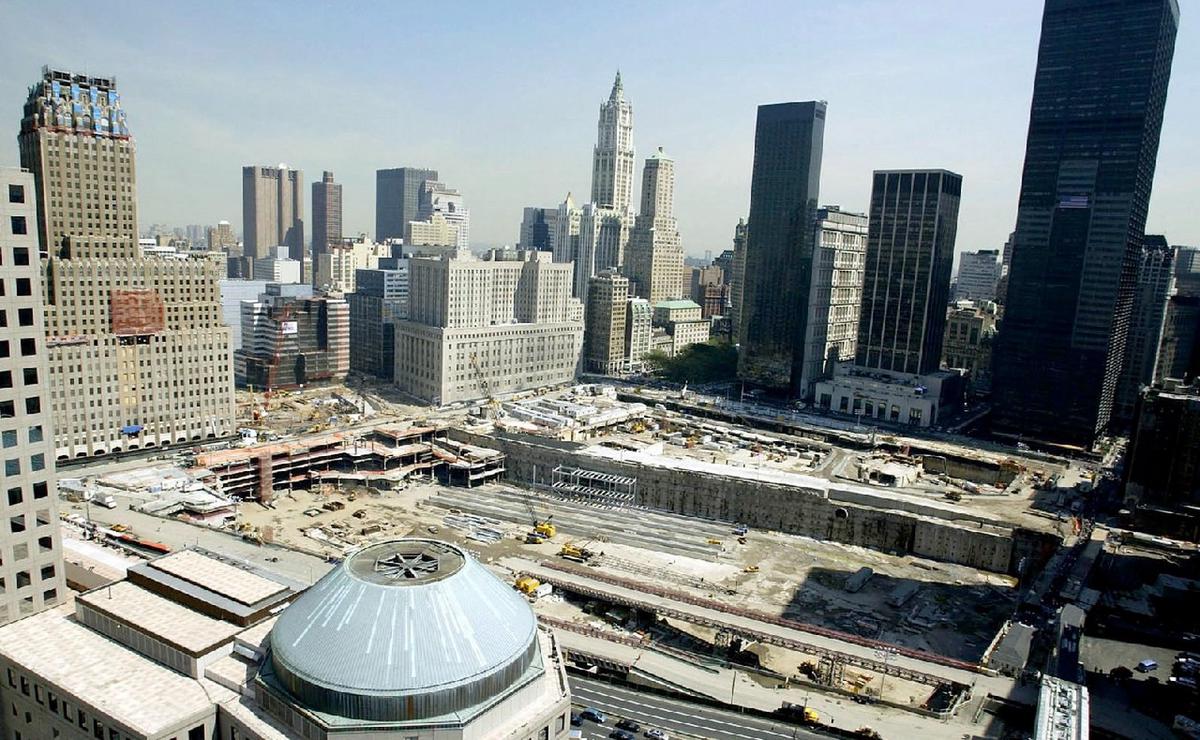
{"points": [[485, 386], [576, 552], [543, 529]]}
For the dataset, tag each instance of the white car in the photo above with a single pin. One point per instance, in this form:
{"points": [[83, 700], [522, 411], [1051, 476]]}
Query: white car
{"points": [[657, 735]]}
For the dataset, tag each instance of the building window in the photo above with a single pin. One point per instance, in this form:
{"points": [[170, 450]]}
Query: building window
{"points": [[24, 287], [17, 524], [25, 316], [21, 256], [16, 193], [33, 405], [9, 438], [47, 572], [14, 496], [12, 466], [18, 225], [28, 347]]}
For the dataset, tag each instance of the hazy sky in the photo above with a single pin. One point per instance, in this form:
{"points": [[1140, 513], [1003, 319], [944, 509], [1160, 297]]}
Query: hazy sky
{"points": [[502, 98]]}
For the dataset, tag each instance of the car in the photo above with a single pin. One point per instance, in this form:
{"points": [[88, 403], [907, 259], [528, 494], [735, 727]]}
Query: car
{"points": [[1147, 665], [655, 734], [593, 714], [576, 720], [622, 735], [628, 724]]}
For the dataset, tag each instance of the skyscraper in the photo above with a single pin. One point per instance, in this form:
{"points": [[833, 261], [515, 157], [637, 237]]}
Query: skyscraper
{"points": [[613, 157], [32, 567], [1098, 99], [273, 211], [783, 203], [1153, 281], [655, 256], [737, 277], [436, 198], [538, 229], [327, 216], [565, 246], [137, 352], [978, 275], [397, 199], [604, 333], [835, 294], [906, 283], [605, 223]]}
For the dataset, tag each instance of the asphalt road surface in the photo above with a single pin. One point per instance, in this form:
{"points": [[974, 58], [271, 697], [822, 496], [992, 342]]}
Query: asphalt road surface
{"points": [[676, 717]]}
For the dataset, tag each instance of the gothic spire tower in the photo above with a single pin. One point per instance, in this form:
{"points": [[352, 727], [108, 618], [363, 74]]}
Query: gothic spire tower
{"points": [[613, 157]]}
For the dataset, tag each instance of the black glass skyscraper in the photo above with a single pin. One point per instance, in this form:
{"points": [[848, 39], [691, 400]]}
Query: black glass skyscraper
{"points": [[906, 275], [779, 253], [1098, 98]]}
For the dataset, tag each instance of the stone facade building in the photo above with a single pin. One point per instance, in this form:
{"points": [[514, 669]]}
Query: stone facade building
{"points": [[483, 328], [137, 353], [31, 567], [604, 335], [291, 340], [655, 255]]}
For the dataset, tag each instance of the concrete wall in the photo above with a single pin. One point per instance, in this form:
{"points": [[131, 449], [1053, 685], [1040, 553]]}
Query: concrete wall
{"points": [[763, 505]]}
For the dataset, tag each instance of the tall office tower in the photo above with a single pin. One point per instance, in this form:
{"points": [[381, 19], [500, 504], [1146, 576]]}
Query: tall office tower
{"points": [[834, 294], [1098, 99], [613, 157], [436, 198], [379, 300], [567, 220], [1005, 264], [273, 210], [1153, 281], [655, 255], [483, 328], [397, 199], [978, 275], [221, 237], [1179, 346], [779, 251], [195, 235], [538, 229], [1162, 474], [327, 216], [602, 242], [906, 283], [292, 338], [737, 277], [604, 330], [137, 352], [32, 567], [639, 329]]}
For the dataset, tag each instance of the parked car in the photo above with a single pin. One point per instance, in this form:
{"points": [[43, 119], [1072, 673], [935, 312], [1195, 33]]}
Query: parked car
{"points": [[1147, 665], [622, 735], [655, 734], [593, 714], [576, 720], [628, 724]]}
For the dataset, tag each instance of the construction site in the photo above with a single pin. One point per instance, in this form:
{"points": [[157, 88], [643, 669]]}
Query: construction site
{"points": [[674, 549]]}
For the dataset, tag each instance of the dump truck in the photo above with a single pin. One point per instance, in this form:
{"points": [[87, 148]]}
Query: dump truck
{"points": [[800, 712], [527, 585]]}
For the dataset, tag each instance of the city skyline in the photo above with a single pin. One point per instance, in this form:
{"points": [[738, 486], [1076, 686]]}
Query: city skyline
{"points": [[700, 109]]}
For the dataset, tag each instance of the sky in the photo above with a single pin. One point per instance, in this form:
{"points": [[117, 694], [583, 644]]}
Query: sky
{"points": [[502, 99]]}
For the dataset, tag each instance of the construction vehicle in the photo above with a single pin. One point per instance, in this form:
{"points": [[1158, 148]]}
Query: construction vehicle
{"points": [[808, 715], [527, 585], [545, 529], [750, 569], [577, 553], [714, 542]]}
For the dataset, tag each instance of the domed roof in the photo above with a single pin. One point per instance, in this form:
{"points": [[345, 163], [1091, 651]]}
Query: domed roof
{"points": [[404, 629]]}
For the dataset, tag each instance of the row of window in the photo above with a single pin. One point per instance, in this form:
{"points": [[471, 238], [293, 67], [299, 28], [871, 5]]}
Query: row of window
{"points": [[69, 713]]}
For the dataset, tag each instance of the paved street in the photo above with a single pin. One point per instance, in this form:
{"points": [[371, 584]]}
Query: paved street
{"points": [[678, 718]]}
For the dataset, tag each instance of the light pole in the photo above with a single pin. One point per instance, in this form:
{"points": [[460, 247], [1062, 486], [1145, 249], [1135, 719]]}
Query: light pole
{"points": [[885, 654]]}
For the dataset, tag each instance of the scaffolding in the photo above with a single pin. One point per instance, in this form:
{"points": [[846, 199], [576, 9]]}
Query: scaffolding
{"points": [[591, 485]]}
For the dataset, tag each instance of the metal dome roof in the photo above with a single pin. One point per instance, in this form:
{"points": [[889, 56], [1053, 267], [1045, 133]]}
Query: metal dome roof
{"points": [[404, 629]]}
